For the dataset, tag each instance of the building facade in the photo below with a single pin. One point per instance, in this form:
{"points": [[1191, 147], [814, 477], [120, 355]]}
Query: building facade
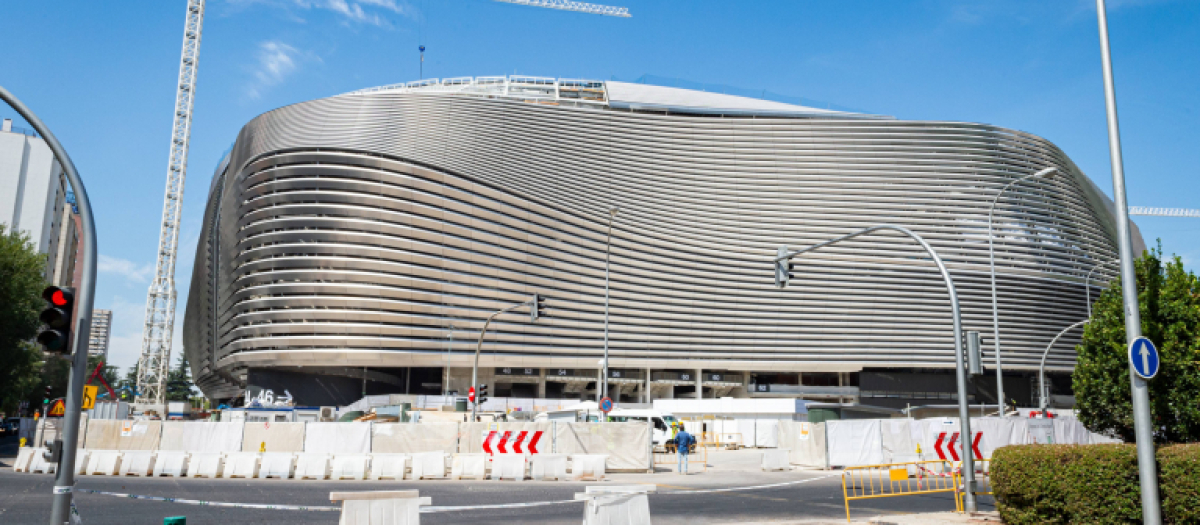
{"points": [[356, 244], [99, 335], [33, 193]]}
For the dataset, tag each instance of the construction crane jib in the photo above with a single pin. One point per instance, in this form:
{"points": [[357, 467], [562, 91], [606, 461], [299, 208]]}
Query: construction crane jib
{"points": [[569, 5], [1164, 212], [160, 301]]}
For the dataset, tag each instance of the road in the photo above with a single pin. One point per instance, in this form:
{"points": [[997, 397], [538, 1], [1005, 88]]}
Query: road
{"points": [[25, 498]]}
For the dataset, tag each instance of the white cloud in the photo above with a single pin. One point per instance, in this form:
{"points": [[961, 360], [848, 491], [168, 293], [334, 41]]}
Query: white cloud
{"points": [[370, 12], [275, 62], [128, 269]]}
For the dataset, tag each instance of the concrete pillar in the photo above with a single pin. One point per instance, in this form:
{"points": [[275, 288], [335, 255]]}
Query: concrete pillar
{"points": [[699, 384], [541, 389], [647, 387]]}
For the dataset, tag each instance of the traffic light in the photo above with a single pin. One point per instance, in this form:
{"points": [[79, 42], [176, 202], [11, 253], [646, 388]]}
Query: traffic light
{"points": [[53, 453], [471, 394], [46, 399], [783, 268], [482, 395], [535, 307], [56, 335]]}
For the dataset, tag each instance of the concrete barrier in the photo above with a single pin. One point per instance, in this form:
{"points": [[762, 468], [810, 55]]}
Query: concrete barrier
{"points": [[617, 505], [543, 466], [205, 464], [508, 466], [389, 466], [137, 462], [312, 466], [468, 466], [170, 463], [395, 507], [277, 465]]}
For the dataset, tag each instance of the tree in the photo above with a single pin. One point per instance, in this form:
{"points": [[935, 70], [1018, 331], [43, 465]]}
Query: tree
{"points": [[20, 300], [179, 381], [1169, 302]]}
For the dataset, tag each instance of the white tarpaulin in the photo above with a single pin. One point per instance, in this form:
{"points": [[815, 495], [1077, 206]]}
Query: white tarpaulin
{"points": [[898, 442], [50, 429], [408, 438], [202, 436], [277, 437], [1070, 432], [627, 445], [854, 442], [746, 427], [806, 441], [766, 433], [114, 434], [337, 438]]}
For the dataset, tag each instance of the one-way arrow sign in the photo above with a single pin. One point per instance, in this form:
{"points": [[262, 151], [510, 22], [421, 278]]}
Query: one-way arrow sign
{"points": [[1143, 357]]}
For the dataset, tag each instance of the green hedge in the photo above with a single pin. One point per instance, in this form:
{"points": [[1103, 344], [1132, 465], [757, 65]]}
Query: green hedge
{"points": [[1091, 483]]}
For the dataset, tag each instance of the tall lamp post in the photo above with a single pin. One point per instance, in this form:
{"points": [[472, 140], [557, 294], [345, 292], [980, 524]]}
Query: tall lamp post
{"points": [[64, 478], [783, 275], [612, 213], [1042, 390], [1043, 174], [1143, 429]]}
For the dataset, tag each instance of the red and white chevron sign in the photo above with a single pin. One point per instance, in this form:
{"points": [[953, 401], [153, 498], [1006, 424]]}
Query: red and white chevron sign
{"points": [[511, 442], [952, 447]]}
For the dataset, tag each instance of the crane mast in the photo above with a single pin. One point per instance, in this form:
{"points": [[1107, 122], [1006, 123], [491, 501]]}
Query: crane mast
{"points": [[160, 301]]}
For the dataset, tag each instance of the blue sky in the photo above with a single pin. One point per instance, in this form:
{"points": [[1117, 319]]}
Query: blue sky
{"points": [[102, 76]]}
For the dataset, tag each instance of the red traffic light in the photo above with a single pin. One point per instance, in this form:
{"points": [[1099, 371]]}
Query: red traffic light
{"points": [[471, 394], [58, 296]]}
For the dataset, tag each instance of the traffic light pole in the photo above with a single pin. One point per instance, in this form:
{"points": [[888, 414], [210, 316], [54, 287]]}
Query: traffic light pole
{"points": [[1143, 430], [64, 482], [782, 276], [533, 303]]}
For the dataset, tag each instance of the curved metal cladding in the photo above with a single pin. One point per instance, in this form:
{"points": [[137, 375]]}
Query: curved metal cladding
{"points": [[357, 230]]}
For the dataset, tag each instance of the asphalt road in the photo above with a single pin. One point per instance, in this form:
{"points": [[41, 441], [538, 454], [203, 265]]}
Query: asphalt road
{"points": [[25, 498]]}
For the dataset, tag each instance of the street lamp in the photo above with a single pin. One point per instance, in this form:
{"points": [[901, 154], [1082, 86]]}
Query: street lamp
{"points": [[782, 276], [612, 213], [1087, 283], [1042, 390], [535, 307], [64, 479], [1046, 174]]}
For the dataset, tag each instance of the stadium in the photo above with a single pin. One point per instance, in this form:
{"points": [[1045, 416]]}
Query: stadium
{"points": [[356, 244]]}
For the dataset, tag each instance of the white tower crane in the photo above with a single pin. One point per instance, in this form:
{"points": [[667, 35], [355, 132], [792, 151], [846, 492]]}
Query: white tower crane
{"points": [[160, 301], [1164, 212], [569, 5]]}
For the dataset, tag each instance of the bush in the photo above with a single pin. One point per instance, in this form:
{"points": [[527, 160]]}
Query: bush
{"points": [[1091, 483]]}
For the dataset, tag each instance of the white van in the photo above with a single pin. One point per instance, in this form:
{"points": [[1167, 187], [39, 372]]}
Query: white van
{"points": [[661, 421]]}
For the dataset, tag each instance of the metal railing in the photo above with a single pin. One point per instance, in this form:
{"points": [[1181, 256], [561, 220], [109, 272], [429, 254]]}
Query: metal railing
{"points": [[899, 479], [570, 91]]}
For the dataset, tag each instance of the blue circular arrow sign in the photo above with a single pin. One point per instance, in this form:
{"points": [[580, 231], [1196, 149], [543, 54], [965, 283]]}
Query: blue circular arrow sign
{"points": [[1143, 357]]}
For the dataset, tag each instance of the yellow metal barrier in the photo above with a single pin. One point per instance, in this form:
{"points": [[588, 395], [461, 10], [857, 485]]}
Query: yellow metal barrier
{"points": [[896, 479], [983, 483], [699, 454]]}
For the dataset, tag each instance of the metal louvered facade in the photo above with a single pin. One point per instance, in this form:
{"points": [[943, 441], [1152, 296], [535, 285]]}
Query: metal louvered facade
{"points": [[357, 230]]}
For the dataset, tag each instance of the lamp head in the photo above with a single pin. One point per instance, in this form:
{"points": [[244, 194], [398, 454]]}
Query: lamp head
{"points": [[1047, 173]]}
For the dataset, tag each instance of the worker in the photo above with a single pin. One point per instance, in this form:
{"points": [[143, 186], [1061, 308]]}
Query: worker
{"points": [[683, 446]]}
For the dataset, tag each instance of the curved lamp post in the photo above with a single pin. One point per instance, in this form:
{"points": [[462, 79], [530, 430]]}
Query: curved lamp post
{"points": [[532, 303], [968, 463], [1042, 390], [1087, 283], [64, 480], [1043, 174]]}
